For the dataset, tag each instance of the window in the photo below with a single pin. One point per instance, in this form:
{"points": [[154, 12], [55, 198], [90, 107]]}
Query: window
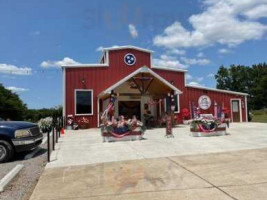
{"points": [[83, 102], [176, 104]]}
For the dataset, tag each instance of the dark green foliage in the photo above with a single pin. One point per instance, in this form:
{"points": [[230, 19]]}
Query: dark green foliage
{"points": [[11, 107], [251, 80], [35, 115]]}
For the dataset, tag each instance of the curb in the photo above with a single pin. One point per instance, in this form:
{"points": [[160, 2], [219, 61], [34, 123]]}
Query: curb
{"points": [[9, 177]]}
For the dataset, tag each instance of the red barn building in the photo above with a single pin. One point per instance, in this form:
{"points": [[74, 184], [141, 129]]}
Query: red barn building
{"points": [[129, 72]]}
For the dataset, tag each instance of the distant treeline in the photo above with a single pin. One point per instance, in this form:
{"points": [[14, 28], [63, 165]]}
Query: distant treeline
{"points": [[251, 80], [13, 108], [35, 115]]}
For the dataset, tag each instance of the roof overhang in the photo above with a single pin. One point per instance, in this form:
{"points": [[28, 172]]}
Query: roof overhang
{"points": [[169, 69], [85, 65], [218, 90], [140, 70], [127, 47]]}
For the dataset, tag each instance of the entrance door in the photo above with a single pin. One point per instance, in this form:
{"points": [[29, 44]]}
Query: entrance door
{"points": [[130, 108], [236, 110]]}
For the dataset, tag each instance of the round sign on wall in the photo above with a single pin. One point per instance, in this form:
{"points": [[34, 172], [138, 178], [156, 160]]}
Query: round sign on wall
{"points": [[204, 102], [129, 59]]}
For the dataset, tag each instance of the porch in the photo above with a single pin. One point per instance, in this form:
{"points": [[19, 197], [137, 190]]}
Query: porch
{"points": [[140, 94]]}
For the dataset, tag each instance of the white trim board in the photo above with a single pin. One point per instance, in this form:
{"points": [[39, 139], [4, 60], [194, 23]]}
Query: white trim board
{"points": [[98, 113], [92, 101], [63, 92], [128, 47], [86, 65], [178, 103], [217, 90]]}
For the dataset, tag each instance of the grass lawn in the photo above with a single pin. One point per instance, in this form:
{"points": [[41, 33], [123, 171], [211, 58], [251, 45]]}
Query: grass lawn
{"points": [[259, 116]]}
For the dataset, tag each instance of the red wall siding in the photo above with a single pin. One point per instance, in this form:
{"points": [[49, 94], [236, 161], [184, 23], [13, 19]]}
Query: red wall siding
{"points": [[100, 78], [192, 94]]}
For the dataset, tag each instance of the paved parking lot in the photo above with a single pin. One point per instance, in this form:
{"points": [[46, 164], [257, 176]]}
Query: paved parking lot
{"points": [[86, 147]]}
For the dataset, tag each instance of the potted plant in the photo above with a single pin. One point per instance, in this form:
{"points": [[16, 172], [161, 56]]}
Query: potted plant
{"points": [[83, 123], [45, 124], [207, 126], [185, 115]]}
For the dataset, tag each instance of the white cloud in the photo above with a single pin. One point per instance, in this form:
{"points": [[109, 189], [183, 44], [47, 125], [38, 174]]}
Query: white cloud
{"points": [[199, 79], [257, 12], [210, 75], [36, 33], [188, 77], [12, 69], [101, 48], [59, 63], [168, 62], [224, 51], [194, 80], [220, 22], [200, 55], [133, 31], [194, 83], [17, 89], [176, 52], [194, 61]]}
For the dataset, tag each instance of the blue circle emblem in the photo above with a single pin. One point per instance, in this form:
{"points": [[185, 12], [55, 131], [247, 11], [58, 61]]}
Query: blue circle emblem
{"points": [[129, 59]]}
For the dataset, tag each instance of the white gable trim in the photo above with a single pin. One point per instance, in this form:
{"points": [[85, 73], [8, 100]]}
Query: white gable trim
{"points": [[140, 70], [128, 47]]}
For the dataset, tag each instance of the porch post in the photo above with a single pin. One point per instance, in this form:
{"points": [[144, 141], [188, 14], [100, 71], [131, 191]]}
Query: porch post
{"points": [[170, 114]]}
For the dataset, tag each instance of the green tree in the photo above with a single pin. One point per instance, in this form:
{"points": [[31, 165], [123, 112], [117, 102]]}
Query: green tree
{"points": [[11, 106], [251, 80], [223, 78]]}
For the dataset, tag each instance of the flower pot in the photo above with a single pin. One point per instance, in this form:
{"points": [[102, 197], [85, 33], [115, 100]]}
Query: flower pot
{"points": [[84, 126], [185, 122]]}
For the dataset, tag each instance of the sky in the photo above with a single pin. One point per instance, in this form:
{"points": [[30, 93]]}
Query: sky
{"points": [[37, 37]]}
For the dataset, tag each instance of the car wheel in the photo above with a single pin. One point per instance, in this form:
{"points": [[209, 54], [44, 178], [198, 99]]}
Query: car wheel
{"points": [[6, 151]]}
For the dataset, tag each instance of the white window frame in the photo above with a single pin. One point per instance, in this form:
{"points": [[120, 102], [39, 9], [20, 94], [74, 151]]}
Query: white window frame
{"points": [[92, 102], [178, 104]]}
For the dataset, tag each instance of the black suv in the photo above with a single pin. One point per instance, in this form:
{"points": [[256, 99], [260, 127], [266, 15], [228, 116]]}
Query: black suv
{"points": [[16, 137]]}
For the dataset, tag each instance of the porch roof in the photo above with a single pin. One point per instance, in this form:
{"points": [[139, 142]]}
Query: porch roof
{"points": [[140, 70]]}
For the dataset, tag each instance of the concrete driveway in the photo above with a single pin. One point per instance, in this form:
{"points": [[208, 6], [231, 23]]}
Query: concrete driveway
{"points": [[234, 175], [86, 147], [232, 167]]}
